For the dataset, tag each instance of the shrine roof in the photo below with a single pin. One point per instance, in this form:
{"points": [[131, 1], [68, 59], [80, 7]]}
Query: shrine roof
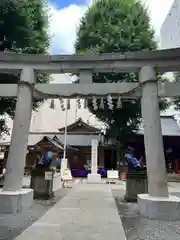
{"points": [[80, 124], [54, 142], [35, 139], [57, 140], [169, 127], [72, 139]]}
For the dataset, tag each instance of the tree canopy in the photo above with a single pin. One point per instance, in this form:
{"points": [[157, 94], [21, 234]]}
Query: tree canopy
{"points": [[176, 101], [23, 29], [116, 26]]}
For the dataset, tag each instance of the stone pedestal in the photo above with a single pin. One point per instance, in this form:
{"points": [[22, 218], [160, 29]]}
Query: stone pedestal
{"points": [[94, 178], [57, 183], [42, 186], [159, 208], [15, 202], [136, 183]]}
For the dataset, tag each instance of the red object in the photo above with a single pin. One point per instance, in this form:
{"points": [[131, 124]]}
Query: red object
{"points": [[143, 163], [177, 166], [123, 177]]}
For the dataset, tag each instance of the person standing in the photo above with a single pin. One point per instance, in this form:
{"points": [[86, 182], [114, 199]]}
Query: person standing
{"points": [[132, 162]]}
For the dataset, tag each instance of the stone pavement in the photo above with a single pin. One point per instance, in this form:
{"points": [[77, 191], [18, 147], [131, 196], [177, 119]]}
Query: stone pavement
{"points": [[87, 212], [12, 225], [139, 228]]}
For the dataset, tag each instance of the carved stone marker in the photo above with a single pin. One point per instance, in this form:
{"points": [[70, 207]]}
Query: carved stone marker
{"points": [[136, 183], [42, 183], [94, 177]]}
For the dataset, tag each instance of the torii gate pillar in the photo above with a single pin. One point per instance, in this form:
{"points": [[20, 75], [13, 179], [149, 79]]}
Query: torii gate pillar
{"points": [[157, 204], [13, 198]]}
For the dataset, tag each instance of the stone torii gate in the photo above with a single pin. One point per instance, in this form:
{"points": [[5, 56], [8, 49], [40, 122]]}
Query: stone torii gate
{"points": [[157, 203]]}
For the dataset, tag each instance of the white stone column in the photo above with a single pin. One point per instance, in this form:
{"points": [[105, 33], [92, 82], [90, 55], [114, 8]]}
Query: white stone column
{"points": [[94, 156], [157, 177], [19, 139], [94, 177]]}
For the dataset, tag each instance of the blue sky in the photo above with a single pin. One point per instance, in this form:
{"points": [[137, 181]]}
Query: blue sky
{"points": [[65, 3]]}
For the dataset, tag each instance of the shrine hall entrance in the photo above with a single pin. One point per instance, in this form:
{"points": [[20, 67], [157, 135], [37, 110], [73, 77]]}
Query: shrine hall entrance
{"points": [[110, 161]]}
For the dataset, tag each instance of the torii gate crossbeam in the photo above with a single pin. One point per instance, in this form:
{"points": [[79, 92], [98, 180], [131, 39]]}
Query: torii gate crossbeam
{"points": [[126, 90]]}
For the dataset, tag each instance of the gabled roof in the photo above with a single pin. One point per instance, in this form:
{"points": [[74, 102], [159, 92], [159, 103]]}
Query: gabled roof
{"points": [[80, 123], [55, 138], [169, 127], [50, 140], [55, 142]]}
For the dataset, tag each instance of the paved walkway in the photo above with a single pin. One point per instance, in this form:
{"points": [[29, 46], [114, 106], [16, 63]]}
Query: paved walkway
{"points": [[88, 212]]}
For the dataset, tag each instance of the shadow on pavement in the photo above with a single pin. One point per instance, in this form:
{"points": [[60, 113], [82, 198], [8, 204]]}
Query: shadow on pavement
{"points": [[139, 228], [12, 226]]}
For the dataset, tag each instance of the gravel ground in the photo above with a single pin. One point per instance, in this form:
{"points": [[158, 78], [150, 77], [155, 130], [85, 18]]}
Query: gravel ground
{"points": [[12, 226], [139, 228]]}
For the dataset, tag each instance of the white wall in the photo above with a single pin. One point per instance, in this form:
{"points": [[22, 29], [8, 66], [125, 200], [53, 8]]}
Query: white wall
{"points": [[170, 30], [50, 120]]}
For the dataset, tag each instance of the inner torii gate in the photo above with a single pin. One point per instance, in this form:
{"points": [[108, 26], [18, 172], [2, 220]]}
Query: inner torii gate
{"points": [[157, 203]]}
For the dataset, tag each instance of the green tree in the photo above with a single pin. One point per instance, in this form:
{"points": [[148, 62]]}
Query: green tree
{"points": [[116, 26], [176, 101], [23, 29]]}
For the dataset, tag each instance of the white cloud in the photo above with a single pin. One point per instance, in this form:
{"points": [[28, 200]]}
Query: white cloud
{"points": [[63, 26], [89, 2], [65, 21]]}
